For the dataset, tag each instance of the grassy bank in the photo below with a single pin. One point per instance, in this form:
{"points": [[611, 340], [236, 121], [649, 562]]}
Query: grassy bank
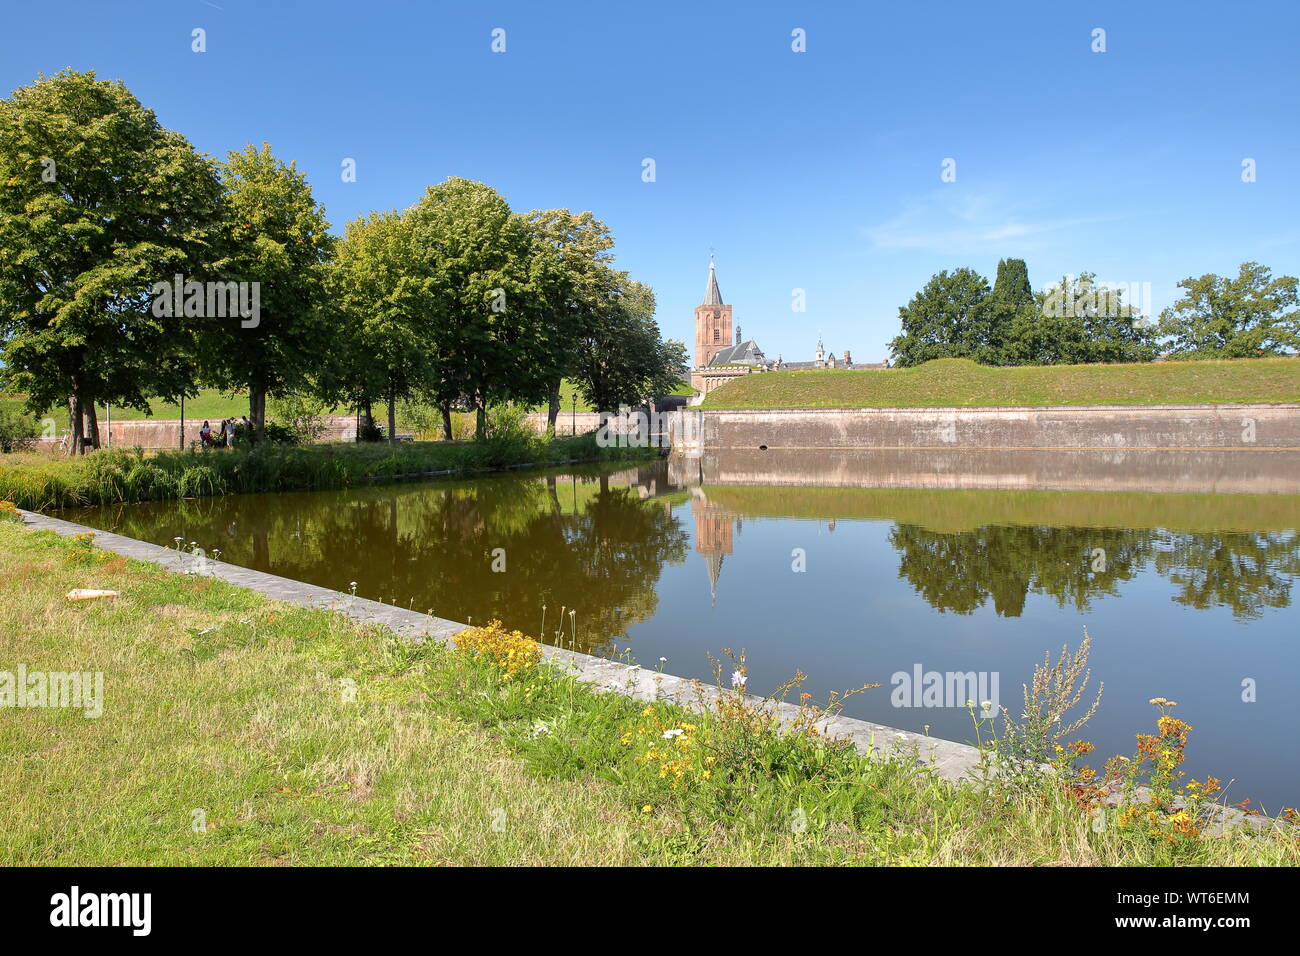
{"points": [[962, 383], [237, 731], [39, 482]]}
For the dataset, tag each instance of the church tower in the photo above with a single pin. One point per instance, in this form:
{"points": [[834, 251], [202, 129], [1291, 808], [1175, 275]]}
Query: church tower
{"points": [[712, 322]]}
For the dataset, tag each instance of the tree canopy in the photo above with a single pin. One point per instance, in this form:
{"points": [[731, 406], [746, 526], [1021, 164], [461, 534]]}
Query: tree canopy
{"points": [[99, 203], [1075, 321], [124, 253], [1224, 317]]}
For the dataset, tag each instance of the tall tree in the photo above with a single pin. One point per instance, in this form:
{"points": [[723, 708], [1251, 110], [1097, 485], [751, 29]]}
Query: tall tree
{"points": [[949, 318], [623, 360], [382, 345], [1223, 317], [276, 235], [572, 250], [481, 287], [1011, 298], [97, 203]]}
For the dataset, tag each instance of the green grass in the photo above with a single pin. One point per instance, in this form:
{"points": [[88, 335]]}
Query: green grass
{"points": [[961, 382], [215, 405], [210, 403], [220, 701], [36, 481]]}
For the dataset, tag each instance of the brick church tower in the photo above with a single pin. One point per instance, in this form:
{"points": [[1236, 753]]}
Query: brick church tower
{"points": [[712, 322]]}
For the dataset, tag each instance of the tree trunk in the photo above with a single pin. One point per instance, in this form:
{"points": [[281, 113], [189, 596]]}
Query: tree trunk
{"points": [[75, 422], [446, 422], [392, 415], [480, 418], [367, 418], [553, 410], [92, 423], [257, 411]]}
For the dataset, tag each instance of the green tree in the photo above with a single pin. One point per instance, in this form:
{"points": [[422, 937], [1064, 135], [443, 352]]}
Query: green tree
{"points": [[949, 318], [482, 289], [382, 347], [623, 360], [1075, 322], [573, 254], [1219, 317], [276, 235], [1012, 297], [97, 203]]}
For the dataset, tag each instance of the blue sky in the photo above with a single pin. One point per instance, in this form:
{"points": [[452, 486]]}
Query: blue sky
{"points": [[817, 171]]}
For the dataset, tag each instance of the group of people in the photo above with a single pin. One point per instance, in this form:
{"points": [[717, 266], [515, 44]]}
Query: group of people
{"points": [[225, 437]]}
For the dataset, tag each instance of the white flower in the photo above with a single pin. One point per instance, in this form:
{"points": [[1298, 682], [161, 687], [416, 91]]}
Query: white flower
{"points": [[669, 734], [986, 705], [663, 660], [738, 679]]}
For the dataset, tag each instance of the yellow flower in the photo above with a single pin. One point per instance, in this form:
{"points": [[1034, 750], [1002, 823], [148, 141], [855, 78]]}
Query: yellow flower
{"points": [[511, 651]]}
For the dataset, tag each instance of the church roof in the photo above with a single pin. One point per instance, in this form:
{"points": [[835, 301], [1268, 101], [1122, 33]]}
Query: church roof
{"points": [[711, 294], [746, 353]]}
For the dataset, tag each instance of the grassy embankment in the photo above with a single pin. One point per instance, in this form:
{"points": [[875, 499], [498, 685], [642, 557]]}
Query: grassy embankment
{"points": [[38, 482], [962, 383], [301, 737]]}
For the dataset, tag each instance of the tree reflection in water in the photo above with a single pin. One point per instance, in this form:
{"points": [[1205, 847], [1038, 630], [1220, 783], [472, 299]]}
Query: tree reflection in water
{"points": [[1004, 564], [573, 541]]}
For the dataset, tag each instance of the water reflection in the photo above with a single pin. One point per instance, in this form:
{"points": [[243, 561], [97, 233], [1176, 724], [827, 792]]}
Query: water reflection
{"points": [[598, 540], [1004, 564], [578, 541]]}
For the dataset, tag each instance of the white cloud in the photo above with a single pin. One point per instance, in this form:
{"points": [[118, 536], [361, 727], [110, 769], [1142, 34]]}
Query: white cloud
{"points": [[952, 223]]}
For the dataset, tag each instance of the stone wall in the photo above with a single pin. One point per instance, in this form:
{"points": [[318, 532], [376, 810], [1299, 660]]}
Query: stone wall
{"points": [[160, 433], [1112, 427], [567, 423]]}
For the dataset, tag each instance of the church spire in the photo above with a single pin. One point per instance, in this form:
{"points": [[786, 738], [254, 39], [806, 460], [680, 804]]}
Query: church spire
{"points": [[711, 294]]}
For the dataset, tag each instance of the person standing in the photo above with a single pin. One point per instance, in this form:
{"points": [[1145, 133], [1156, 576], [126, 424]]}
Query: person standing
{"points": [[205, 434]]}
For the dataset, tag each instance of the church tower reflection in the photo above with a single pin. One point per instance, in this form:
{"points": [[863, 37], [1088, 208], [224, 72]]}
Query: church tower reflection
{"points": [[714, 531]]}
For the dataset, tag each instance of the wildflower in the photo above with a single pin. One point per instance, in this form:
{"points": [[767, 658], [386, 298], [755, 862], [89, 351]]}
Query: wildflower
{"points": [[510, 651], [738, 679], [669, 734], [986, 705], [647, 809]]}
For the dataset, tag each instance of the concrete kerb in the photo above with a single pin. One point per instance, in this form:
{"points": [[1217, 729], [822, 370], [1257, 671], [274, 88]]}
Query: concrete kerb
{"points": [[950, 760]]}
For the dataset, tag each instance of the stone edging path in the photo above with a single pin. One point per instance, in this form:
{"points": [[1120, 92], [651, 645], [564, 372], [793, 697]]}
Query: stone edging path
{"points": [[950, 760]]}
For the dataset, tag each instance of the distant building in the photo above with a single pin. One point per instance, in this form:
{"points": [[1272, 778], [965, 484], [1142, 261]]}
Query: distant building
{"points": [[719, 358]]}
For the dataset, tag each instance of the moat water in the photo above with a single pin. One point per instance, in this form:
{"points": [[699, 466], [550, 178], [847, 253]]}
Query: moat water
{"points": [[1186, 596]]}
